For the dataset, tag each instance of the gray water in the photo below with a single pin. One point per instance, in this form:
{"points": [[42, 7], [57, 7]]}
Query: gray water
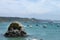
{"points": [[36, 32]]}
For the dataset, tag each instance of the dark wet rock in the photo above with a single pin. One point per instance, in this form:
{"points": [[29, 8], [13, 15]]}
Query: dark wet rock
{"points": [[37, 25], [41, 39], [23, 33], [27, 25], [15, 30], [44, 27], [58, 25]]}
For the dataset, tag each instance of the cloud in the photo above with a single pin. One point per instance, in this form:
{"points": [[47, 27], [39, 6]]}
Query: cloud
{"points": [[27, 7], [33, 1]]}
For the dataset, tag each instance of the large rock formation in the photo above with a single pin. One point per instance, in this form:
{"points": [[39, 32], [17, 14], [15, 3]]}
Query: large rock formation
{"points": [[15, 30]]}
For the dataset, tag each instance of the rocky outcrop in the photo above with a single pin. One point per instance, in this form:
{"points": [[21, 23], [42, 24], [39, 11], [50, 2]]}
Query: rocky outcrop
{"points": [[15, 30]]}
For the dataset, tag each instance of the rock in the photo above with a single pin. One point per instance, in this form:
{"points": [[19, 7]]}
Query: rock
{"points": [[15, 30], [44, 26], [41, 39], [23, 33], [58, 25], [37, 25]]}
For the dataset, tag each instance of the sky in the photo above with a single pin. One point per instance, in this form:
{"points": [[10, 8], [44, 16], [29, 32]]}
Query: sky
{"points": [[40, 9]]}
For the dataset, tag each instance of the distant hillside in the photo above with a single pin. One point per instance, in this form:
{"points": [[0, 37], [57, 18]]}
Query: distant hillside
{"points": [[4, 19]]}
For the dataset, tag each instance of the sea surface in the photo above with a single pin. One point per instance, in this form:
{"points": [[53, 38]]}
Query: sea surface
{"points": [[35, 31]]}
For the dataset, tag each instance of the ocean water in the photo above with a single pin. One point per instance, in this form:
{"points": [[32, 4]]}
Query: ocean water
{"points": [[36, 31]]}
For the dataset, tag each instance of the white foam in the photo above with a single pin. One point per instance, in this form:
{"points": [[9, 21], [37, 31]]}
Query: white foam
{"points": [[30, 25], [34, 39]]}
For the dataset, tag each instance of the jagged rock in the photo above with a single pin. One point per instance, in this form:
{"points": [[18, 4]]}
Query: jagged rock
{"points": [[15, 30]]}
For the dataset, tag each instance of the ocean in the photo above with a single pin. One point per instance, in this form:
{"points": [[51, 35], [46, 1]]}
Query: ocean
{"points": [[35, 31]]}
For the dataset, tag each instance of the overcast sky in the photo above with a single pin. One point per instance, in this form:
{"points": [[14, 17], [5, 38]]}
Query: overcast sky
{"points": [[40, 9]]}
